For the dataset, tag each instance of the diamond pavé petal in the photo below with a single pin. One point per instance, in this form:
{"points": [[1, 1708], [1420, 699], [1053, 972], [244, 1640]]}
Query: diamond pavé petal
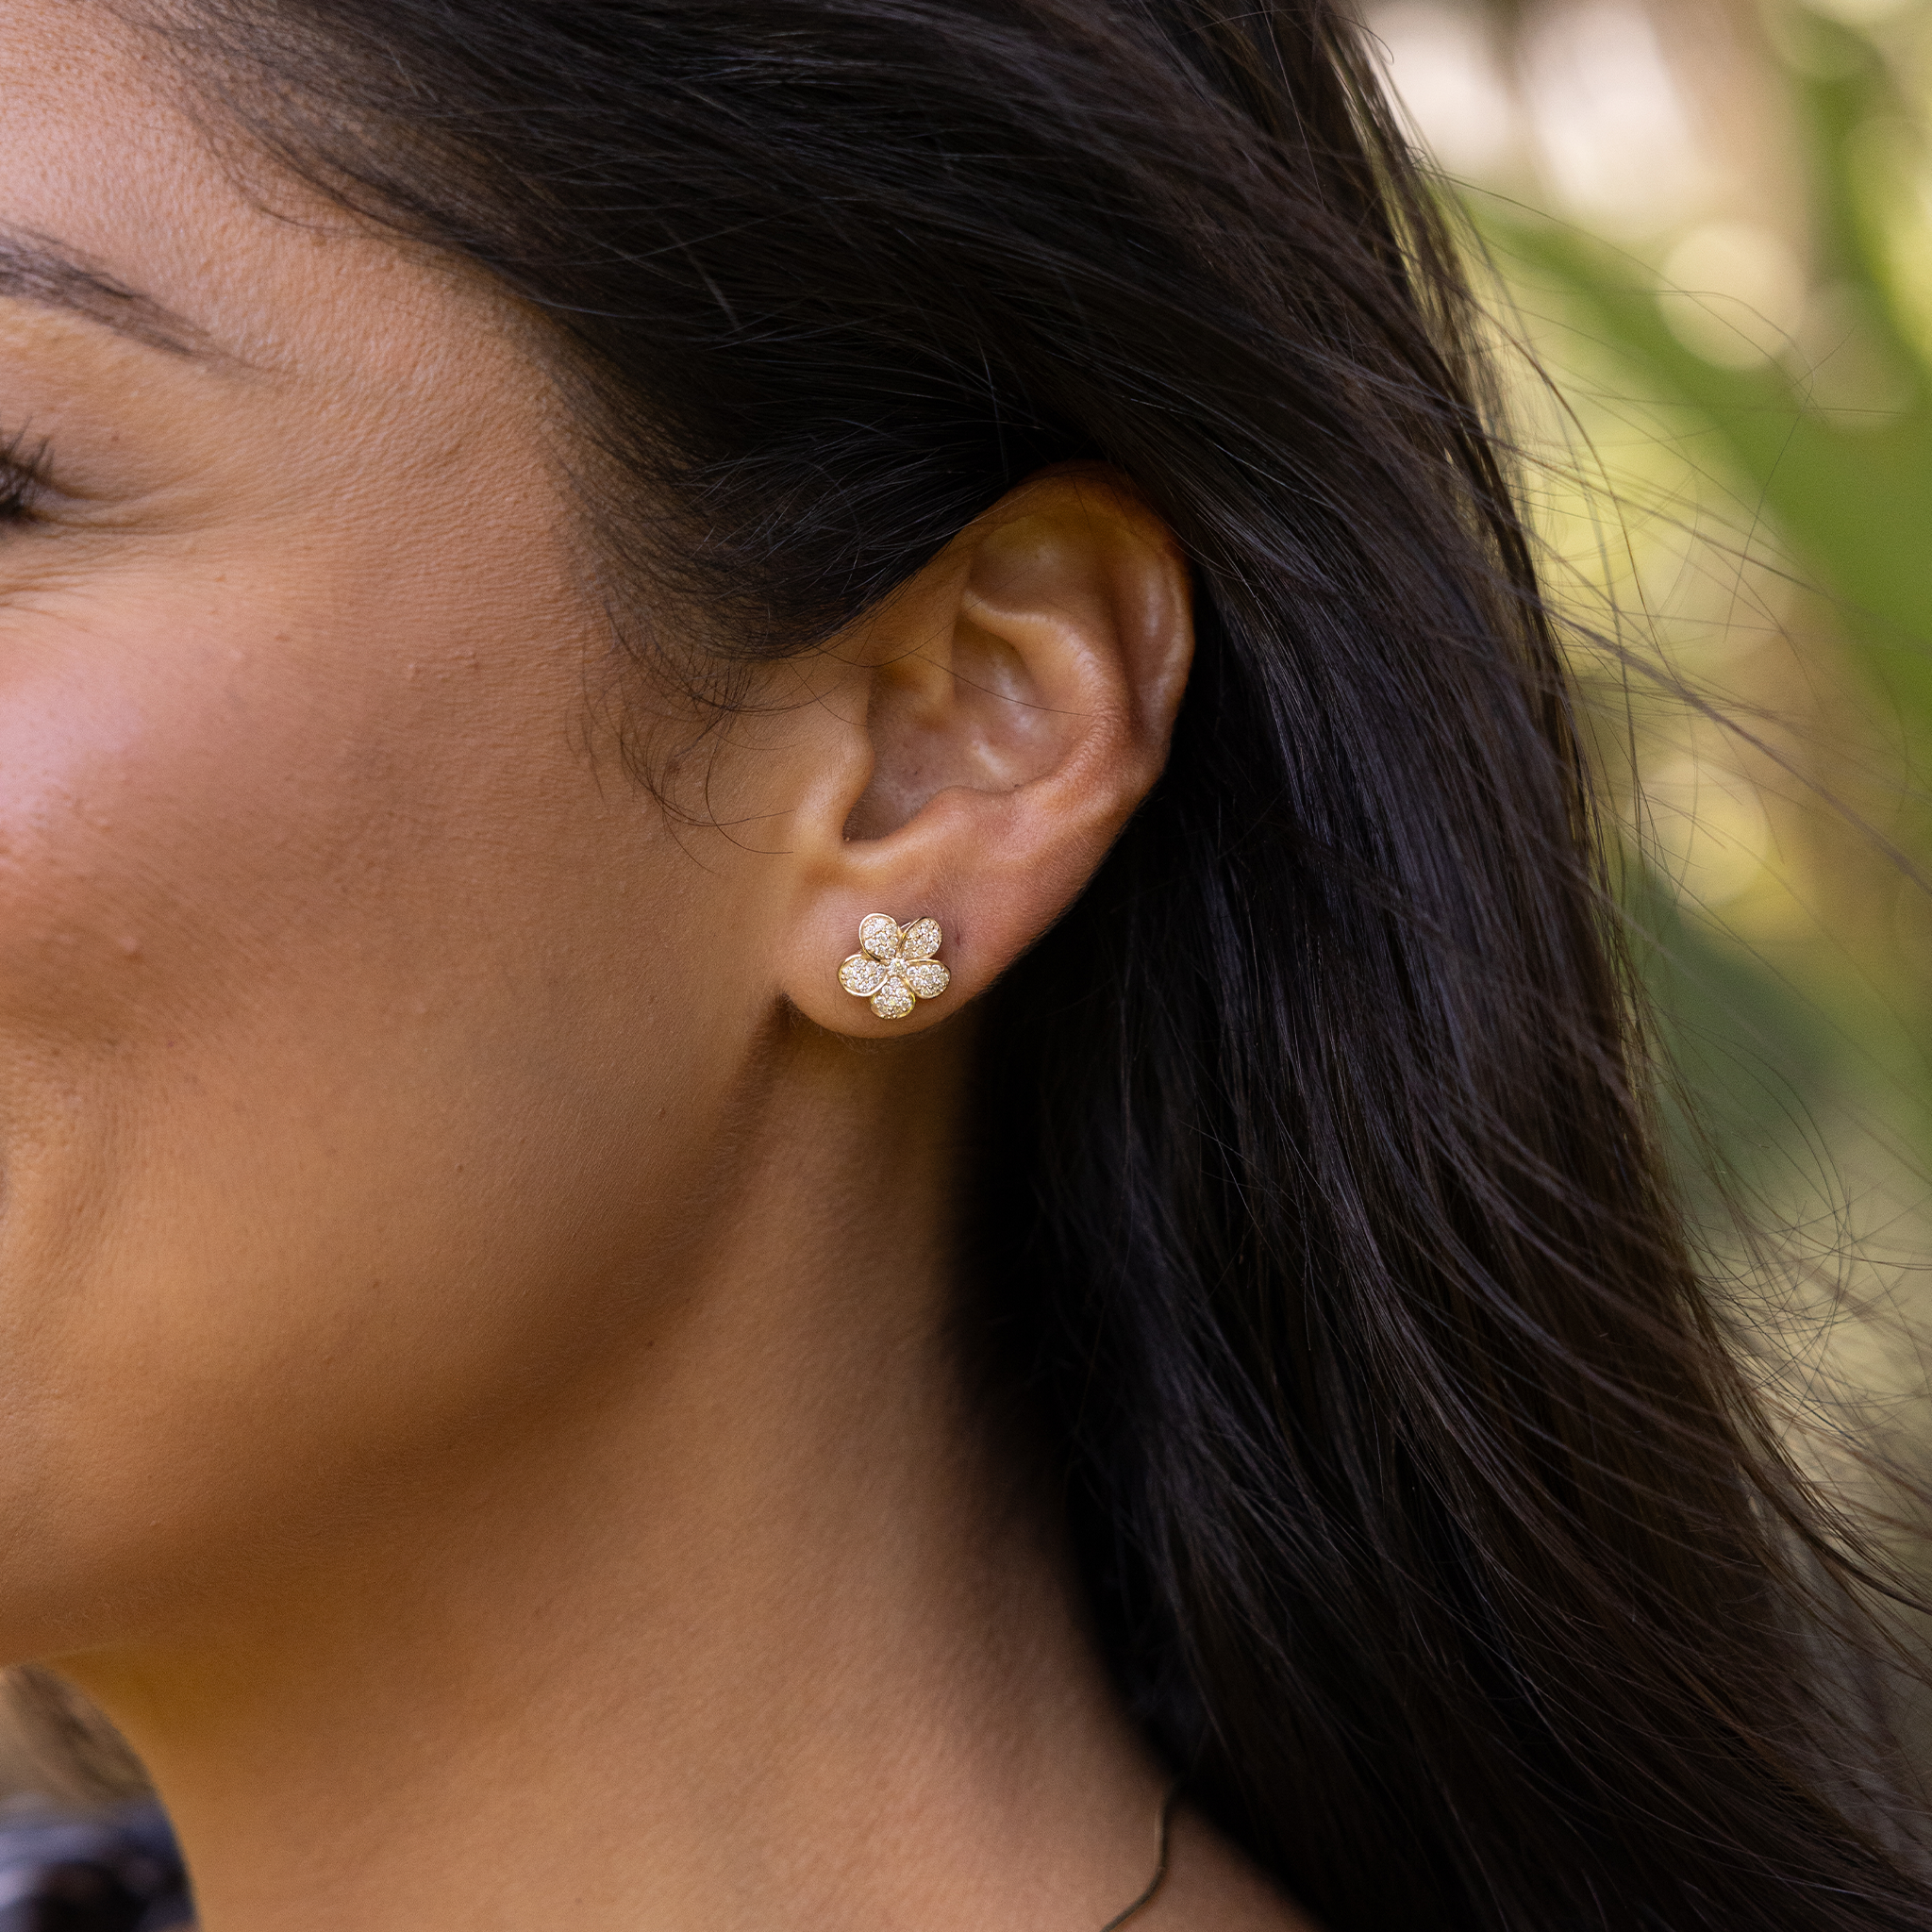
{"points": [[862, 974], [927, 977], [893, 1000]]}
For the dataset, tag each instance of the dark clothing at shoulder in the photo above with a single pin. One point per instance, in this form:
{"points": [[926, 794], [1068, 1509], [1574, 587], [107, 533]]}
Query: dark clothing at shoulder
{"points": [[106, 1872]]}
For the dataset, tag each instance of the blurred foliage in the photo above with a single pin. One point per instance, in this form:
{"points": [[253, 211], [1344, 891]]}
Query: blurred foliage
{"points": [[1743, 502], [1848, 481]]}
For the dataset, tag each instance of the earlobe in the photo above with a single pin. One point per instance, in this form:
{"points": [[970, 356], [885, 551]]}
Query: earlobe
{"points": [[1020, 696]]}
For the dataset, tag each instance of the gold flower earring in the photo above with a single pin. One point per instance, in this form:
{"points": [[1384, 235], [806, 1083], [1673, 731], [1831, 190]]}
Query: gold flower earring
{"points": [[896, 969]]}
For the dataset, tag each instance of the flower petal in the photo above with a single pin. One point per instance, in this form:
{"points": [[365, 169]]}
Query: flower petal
{"points": [[893, 1000], [862, 974], [878, 933], [927, 977], [922, 939]]}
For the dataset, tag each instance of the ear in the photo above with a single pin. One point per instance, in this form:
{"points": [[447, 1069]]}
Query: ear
{"points": [[1016, 700]]}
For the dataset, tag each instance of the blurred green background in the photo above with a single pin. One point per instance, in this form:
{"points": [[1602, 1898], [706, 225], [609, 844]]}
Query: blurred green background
{"points": [[1708, 229]]}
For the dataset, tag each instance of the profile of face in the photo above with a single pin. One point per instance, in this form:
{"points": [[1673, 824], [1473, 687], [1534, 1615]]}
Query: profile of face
{"points": [[502, 1398], [391, 1087]]}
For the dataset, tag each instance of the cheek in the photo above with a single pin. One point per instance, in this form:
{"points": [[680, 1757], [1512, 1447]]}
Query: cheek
{"points": [[323, 1041], [209, 804], [141, 816]]}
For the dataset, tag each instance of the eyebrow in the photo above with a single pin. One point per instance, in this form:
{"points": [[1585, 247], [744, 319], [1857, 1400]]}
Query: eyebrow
{"points": [[33, 269]]}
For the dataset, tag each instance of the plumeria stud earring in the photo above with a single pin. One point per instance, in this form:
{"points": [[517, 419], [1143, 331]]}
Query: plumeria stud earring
{"points": [[896, 969]]}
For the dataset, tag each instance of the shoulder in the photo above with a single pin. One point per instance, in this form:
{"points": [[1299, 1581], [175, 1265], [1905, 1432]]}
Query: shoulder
{"points": [[93, 1872]]}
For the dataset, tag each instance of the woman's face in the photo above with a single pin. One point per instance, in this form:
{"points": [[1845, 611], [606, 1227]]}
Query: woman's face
{"points": [[353, 1037]]}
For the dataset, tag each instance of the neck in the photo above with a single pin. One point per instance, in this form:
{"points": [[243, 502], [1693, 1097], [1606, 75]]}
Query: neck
{"points": [[742, 1624]]}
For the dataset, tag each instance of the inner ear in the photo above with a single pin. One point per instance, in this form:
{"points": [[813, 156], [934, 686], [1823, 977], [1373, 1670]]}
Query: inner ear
{"points": [[964, 710]]}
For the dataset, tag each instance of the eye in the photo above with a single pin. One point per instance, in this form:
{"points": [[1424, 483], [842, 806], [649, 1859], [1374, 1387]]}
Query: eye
{"points": [[22, 479]]}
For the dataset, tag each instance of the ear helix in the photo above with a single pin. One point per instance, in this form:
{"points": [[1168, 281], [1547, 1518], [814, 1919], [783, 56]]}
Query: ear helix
{"points": [[894, 968]]}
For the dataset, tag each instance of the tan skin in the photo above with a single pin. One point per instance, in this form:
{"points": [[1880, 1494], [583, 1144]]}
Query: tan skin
{"points": [[476, 1403]]}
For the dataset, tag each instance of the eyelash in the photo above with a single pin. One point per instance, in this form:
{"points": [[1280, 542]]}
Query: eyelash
{"points": [[22, 479]]}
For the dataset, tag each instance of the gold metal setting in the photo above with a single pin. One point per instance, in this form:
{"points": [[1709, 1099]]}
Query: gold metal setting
{"points": [[895, 969]]}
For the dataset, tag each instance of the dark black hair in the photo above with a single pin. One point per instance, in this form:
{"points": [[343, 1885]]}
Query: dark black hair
{"points": [[1430, 1523]]}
